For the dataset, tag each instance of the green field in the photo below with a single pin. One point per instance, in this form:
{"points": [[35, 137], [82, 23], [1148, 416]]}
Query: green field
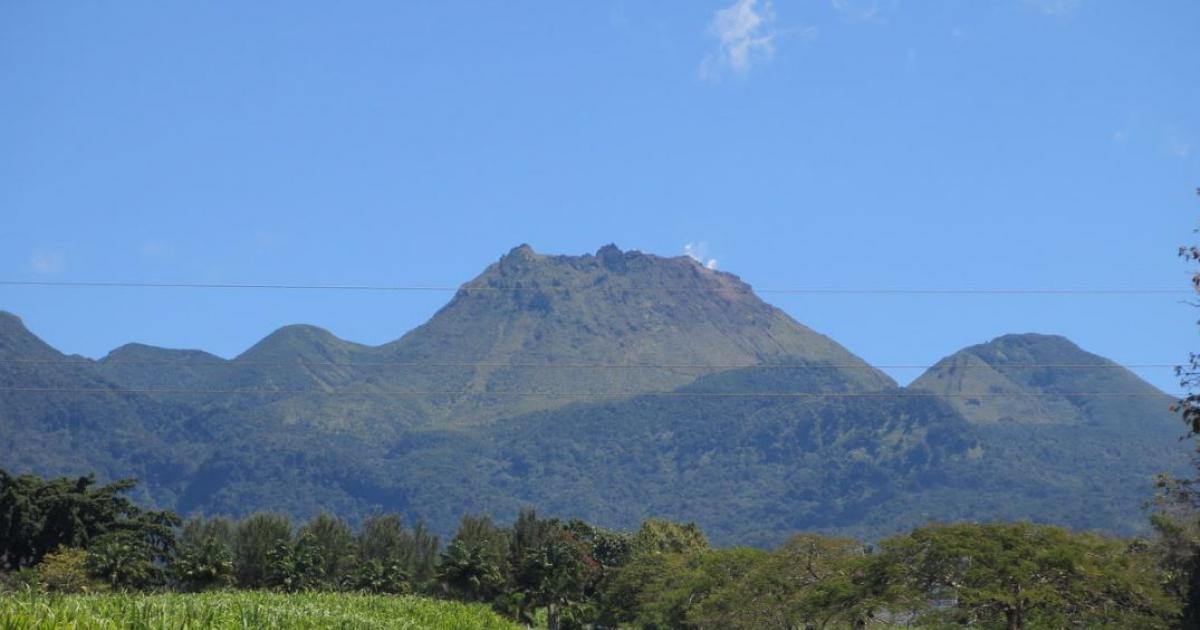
{"points": [[239, 610]]}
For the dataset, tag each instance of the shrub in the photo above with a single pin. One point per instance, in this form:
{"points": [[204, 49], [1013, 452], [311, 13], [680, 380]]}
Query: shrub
{"points": [[64, 570]]}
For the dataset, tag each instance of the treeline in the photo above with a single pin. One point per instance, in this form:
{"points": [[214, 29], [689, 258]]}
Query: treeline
{"points": [[74, 535]]}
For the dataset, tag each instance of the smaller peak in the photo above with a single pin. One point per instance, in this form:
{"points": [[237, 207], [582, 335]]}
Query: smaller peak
{"points": [[16, 338], [9, 319], [1029, 337], [1031, 340], [131, 349], [292, 331], [612, 258], [295, 339], [522, 251], [140, 351], [518, 258]]}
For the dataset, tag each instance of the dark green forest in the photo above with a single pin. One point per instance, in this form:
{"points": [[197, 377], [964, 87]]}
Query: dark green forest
{"points": [[74, 535]]}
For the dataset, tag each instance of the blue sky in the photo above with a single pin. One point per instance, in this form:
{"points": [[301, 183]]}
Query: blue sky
{"points": [[844, 144]]}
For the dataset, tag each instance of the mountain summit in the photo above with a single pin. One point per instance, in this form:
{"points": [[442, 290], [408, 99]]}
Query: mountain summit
{"points": [[613, 322]]}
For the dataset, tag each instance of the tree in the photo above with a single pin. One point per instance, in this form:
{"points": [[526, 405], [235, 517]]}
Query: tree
{"points": [[551, 566], [1189, 406], [297, 566], [657, 552], [474, 566], [471, 573], [255, 538], [556, 574], [37, 516], [1018, 575], [122, 565], [663, 536], [810, 581], [64, 570], [480, 532], [676, 594], [384, 538], [527, 534], [1178, 502], [374, 576], [203, 563], [335, 542]]}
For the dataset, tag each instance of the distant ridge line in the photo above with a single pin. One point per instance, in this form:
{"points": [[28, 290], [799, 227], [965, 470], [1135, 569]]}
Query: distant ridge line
{"points": [[629, 394], [732, 366]]}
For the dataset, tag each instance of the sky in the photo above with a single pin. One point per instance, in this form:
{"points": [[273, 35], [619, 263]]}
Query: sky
{"points": [[844, 144]]}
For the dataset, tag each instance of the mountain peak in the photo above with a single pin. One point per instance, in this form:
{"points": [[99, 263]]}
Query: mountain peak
{"points": [[612, 258], [523, 251], [613, 307], [297, 341], [1032, 342], [9, 322], [17, 340], [1035, 378], [137, 352]]}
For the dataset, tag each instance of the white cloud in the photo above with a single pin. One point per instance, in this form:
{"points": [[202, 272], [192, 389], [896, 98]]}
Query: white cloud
{"points": [[698, 252], [745, 33], [1053, 7], [47, 262]]}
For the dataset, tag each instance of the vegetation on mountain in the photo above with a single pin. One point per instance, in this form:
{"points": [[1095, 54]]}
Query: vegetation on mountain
{"points": [[608, 387]]}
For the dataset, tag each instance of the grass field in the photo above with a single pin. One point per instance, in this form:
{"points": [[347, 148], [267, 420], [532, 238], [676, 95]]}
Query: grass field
{"points": [[239, 610]]}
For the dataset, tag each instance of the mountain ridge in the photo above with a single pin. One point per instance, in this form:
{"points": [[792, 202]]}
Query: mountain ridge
{"points": [[614, 386]]}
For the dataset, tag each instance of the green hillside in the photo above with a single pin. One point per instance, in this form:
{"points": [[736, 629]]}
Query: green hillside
{"points": [[611, 387]]}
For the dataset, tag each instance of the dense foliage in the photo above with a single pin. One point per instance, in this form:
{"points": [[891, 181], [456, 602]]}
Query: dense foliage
{"points": [[39, 516], [571, 574]]}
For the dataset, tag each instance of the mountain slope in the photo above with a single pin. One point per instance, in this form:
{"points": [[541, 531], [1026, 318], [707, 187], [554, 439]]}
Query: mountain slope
{"points": [[612, 386], [57, 416], [748, 468], [529, 333], [610, 322], [1079, 435], [1046, 379]]}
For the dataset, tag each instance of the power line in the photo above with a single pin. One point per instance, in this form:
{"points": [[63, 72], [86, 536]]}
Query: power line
{"points": [[649, 288], [583, 395], [531, 365]]}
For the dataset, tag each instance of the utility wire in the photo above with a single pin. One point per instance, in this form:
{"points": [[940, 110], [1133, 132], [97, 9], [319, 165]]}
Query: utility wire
{"points": [[450, 289]]}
